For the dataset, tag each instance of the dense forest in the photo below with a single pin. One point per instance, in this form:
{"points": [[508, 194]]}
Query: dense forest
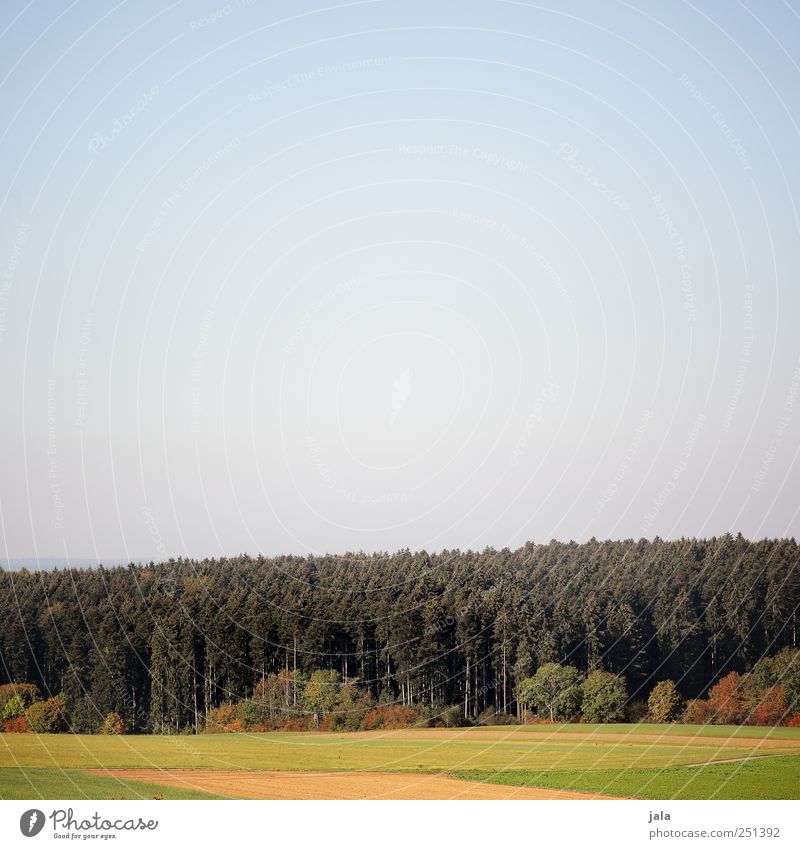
{"points": [[164, 645]]}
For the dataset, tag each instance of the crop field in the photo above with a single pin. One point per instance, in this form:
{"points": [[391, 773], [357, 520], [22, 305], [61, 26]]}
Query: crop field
{"points": [[529, 762]]}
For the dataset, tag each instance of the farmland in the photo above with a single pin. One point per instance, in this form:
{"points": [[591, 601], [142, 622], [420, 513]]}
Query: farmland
{"points": [[645, 761]]}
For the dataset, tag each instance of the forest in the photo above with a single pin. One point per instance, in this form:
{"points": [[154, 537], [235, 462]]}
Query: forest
{"points": [[164, 647]]}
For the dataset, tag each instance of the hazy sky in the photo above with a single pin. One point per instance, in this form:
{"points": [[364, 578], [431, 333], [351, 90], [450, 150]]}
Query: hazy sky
{"points": [[283, 276]]}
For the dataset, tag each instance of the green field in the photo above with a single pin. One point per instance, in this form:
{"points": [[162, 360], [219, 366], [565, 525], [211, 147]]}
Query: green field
{"points": [[18, 783], [765, 778], [647, 761]]}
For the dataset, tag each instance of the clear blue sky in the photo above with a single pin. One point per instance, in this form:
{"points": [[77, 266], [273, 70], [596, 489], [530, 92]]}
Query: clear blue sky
{"points": [[295, 277]]}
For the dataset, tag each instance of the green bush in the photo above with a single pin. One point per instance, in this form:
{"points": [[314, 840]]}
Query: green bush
{"points": [[493, 717], [554, 691], [453, 717], [24, 694], [604, 696], [13, 708], [47, 717], [665, 703], [252, 714]]}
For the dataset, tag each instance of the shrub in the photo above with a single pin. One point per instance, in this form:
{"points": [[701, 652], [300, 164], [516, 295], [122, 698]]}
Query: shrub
{"points": [[321, 693], [770, 708], [13, 708], [793, 721], [18, 725], [113, 724], [698, 712], [296, 723], [783, 668], [217, 719], [251, 714], [604, 696], [636, 711], [665, 703], [493, 717], [48, 717], [389, 718], [351, 708], [23, 695], [453, 717]]}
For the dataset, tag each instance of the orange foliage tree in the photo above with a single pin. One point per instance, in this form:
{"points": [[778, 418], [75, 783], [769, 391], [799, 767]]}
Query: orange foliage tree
{"points": [[726, 699], [770, 708], [390, 717]]}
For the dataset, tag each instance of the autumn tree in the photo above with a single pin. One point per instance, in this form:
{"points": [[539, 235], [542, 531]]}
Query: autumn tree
{"points": [[770, 708], [726, 700], [665, 703], [321, 693], [782, 668], [166, 644], [47, 717], [113, 724]]}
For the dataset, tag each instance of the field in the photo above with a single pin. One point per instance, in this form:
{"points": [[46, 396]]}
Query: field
{"points": [[570, 761]]}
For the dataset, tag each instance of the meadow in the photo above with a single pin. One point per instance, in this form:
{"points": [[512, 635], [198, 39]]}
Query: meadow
{"points": [[645, 761]]}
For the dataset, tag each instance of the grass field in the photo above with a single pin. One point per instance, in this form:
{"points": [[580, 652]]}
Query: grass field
{"points": [[647, 761]]}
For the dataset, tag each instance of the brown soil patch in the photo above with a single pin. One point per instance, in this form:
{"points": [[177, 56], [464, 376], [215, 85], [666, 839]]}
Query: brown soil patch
{"points": [[257, 784]]}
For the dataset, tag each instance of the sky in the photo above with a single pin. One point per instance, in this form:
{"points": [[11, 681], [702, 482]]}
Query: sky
{"points": [[303, 277]]}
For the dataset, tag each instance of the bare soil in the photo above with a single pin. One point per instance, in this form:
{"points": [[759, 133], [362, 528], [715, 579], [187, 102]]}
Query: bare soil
{"points": [[257, 784]]}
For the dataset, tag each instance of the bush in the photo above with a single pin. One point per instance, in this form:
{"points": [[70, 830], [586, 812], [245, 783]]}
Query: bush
{"points": [[493, 717], [390, 718], [604, 696], [321, 693], [793, 721], [18, 725], [113, 724], [296, 723], [665, 703], [23, 695], [636, 711], [350, 710], [13, 708], [698, 712], [770, 708], [453, 717], [251, 714], [783, 668], [48, 717], [218, 719]]}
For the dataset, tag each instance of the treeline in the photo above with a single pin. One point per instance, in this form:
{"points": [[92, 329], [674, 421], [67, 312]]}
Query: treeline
{"points": [[162, 646], [769, 695]]}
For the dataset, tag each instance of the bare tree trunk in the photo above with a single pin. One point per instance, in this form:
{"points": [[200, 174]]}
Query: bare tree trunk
{"points": [[466, 691], [294, 671], [505, 699], [194, 698]]}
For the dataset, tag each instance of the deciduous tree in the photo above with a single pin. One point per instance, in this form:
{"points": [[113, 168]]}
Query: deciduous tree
{"points": [[665, 703]]}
